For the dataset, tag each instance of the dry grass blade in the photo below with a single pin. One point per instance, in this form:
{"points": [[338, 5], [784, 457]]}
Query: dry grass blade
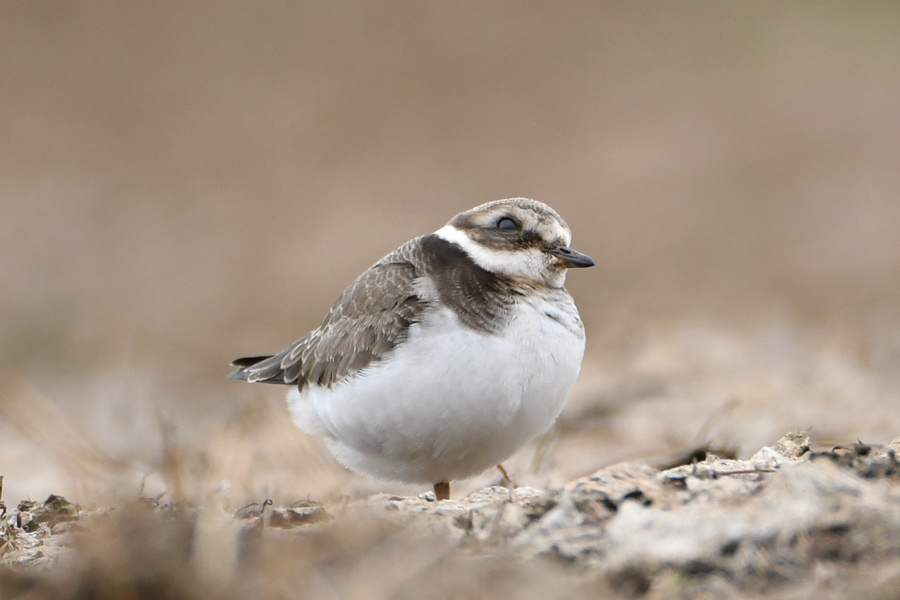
{"points": [[41, 421]]}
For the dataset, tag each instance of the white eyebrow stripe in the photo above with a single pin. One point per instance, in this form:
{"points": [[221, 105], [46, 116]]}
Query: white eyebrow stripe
{"points": [[489, 260]]}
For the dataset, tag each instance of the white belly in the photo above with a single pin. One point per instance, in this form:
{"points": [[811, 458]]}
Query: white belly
{"points": [[450, 402]]}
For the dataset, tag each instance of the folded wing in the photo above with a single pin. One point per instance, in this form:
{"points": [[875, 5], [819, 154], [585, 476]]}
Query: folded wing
{"points": [[370, 318]]}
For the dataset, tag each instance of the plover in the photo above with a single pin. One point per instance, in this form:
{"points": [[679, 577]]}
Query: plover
{"points": [[447, 355]]}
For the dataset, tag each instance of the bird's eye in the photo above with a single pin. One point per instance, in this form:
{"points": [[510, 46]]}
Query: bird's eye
{"points": [[507, 224]]}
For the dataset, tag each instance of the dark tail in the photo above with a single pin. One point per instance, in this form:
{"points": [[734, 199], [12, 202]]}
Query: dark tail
{"points": [[260, 369], [243, 364]]}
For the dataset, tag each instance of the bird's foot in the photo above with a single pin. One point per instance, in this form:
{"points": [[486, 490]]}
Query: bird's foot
{"points": [[507, 480], [442, 491]]}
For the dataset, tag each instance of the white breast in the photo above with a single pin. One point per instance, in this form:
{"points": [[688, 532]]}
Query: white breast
{"points": [[451, 402]]}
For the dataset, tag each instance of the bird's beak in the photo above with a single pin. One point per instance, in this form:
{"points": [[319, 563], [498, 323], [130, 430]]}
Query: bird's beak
{"points": [[572, 258]]}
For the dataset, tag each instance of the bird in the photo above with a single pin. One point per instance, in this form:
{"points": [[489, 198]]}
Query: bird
{"points": [[447, 355]]}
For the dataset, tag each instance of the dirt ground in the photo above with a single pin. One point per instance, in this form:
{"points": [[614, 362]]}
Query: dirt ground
{"points": [[789, 521], [185, 183]]}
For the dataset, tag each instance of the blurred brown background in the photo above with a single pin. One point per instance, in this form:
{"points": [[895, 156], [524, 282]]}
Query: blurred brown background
{"points": [[186, 182]]}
